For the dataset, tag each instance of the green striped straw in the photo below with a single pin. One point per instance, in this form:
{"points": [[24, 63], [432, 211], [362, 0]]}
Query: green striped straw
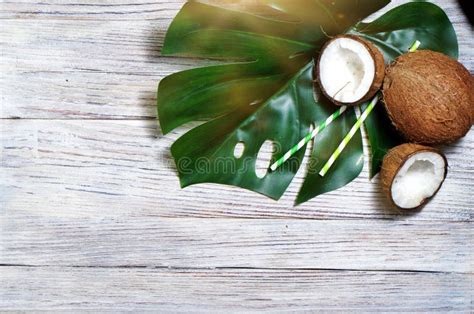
{"points": [[415, 46], [357, 125], [349, 136], [308, 138]]}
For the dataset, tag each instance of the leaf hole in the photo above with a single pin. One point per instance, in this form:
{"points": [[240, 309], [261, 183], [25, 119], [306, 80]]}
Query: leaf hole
{"points": [[239, 150], [264, 158]]}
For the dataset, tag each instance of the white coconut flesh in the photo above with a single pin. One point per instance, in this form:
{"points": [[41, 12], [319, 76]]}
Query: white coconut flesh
{"points": [[418, 179], [346, 70]]}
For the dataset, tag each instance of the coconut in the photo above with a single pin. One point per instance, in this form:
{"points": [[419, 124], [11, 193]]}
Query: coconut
{"points": [[429, 97], [412, 174], [350, 70]]}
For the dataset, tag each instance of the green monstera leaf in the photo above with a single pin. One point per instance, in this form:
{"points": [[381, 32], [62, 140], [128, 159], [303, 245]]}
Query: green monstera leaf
{"points": [[266, 91]]}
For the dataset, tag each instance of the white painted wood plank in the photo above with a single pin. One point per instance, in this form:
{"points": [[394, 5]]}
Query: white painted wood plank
{"points": [[121, 168], [98, 67], [98, 289], [41, 239], [86, 9], [83, 69]]}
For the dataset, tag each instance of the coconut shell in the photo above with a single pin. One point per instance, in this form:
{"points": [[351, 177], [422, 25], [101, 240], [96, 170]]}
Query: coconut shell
{"points": [[379, 62], [429, 97], [394, 161]]}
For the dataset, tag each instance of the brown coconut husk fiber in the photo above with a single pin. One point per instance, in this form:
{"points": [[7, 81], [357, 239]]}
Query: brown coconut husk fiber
{"points": [[429, 97]]}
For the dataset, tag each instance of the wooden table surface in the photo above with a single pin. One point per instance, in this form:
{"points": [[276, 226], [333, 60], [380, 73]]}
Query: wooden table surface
{"points": [[92, 216]]}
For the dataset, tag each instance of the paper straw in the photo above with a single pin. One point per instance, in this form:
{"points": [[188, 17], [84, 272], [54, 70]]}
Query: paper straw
{"points": [[415, 46], [308, 138], [357, 125], [348, 137]]}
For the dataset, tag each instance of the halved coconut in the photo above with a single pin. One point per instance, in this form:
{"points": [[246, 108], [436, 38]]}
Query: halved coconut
{"points": [[429, 97], [412, 174], [350, 70]]}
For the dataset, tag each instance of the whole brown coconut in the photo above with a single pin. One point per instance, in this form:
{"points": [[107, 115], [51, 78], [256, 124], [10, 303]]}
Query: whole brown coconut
{"points": [[429, 97], [412, 174], [349, 70]]}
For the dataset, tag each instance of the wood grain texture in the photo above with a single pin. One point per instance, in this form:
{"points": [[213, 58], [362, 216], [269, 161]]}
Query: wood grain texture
{"points": [[40, 240], [93, 10], [116, 168], [232, 290], [83, 69], [92, 216]]}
